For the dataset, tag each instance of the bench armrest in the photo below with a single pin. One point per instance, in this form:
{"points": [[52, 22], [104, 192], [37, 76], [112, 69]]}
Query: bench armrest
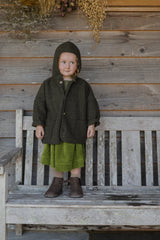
{"points": [[10, 156]]}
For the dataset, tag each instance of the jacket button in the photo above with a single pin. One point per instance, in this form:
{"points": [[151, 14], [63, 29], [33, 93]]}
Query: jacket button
{"points": [[60, 82], [64, 113]]}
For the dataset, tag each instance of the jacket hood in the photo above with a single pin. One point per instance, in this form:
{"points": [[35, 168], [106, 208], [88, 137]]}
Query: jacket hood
{"points": [[64, 47]]}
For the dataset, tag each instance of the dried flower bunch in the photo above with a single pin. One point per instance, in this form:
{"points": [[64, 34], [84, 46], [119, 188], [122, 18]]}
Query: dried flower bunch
{"points": [[95, 10], [65, 6]]}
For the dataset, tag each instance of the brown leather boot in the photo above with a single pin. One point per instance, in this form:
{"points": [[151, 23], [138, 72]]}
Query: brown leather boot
{"points": [[76, 189], [55, 188]]}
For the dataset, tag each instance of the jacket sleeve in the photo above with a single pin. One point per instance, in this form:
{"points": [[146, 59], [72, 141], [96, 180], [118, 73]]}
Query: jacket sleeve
{"points": [[39, 108], [93, 113]]}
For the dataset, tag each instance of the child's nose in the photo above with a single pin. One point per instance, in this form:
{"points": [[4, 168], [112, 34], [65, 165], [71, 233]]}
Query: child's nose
{"points": [[68, 65]]}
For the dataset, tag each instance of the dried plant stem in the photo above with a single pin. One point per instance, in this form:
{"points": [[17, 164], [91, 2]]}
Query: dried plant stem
{"points": [[46, 6]]}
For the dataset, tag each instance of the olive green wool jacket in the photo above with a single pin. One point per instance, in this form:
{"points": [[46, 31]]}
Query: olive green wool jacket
{"points": [[65, 116]]}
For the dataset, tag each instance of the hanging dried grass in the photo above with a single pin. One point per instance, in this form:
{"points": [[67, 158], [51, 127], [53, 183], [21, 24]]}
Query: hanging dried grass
{"points": [[29, 2], [46, 6], [95, 10]]}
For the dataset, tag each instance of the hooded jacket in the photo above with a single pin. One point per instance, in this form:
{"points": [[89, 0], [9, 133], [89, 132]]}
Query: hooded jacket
{"points": [[65, 116]]}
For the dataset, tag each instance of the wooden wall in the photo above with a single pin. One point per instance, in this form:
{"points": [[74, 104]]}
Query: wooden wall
{"points": [[123, 69]]}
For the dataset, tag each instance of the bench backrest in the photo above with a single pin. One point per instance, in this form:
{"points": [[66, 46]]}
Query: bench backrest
{"points": [[125, 151]]}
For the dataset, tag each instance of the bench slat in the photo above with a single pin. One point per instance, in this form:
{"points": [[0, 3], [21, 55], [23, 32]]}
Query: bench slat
{"points": [[50, 175], [129, 124], [101, 158], [89, 162], [113, 158], [131, 162], [148, 158], [158, 155], [29, 158], [40, 167]]}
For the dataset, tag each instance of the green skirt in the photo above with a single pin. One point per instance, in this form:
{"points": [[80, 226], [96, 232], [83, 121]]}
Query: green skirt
{"points": [[64, 156]]}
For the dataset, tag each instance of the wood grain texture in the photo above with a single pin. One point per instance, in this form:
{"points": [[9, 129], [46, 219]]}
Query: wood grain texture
{"points": [[3, 194], [83, 214], [94, 70], [101, 158], [112, 43], [40, 167], [133, 3], [28, 158], [110, 97], [148, 158], [131, 162], [121, 2], [113, 158], [7, 123], [89, 162], [114, 21]]}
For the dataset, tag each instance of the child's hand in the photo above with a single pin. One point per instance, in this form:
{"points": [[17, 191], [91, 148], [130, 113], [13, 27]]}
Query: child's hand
{"points": [[91, 131], [39, 132]]}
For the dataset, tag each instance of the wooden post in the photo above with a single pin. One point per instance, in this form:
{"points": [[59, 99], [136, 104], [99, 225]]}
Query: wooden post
{"points": [[3, 198], [19, 143]]}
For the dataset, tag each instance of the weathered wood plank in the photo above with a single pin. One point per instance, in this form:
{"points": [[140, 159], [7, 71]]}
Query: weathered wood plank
{"points": [[77, 21], [89, 162], [6, 144], [85, 215], [110, 97], [113, 157], [3, 194], [129, 124], [27, 123], [19, 143], [19, 229], [50, 175], [122, 2], [7, 123], [94, 70], [28, 158], [148, 158], [19, 128], [101, 158], [112, 43], [131, 162], [110, 190], [40, 167], [133, 3], [7, 131], [158, 154]]}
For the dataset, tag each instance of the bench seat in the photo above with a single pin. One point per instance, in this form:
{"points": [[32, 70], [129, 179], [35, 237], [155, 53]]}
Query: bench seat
{"points": [[120, 180], [106, 206]]}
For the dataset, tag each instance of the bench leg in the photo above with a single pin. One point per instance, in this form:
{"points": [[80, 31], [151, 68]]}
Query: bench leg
{"points": [[19, 229], [3, 197]]}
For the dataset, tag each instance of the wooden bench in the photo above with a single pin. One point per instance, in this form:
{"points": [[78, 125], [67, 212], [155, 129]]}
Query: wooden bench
{"points": [[120, 180]]}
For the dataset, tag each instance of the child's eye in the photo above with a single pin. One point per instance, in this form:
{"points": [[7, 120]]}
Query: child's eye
{"points": [[72, 63]]}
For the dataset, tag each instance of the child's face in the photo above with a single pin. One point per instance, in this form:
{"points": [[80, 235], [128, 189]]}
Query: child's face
{"points": [[67, 64]]}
